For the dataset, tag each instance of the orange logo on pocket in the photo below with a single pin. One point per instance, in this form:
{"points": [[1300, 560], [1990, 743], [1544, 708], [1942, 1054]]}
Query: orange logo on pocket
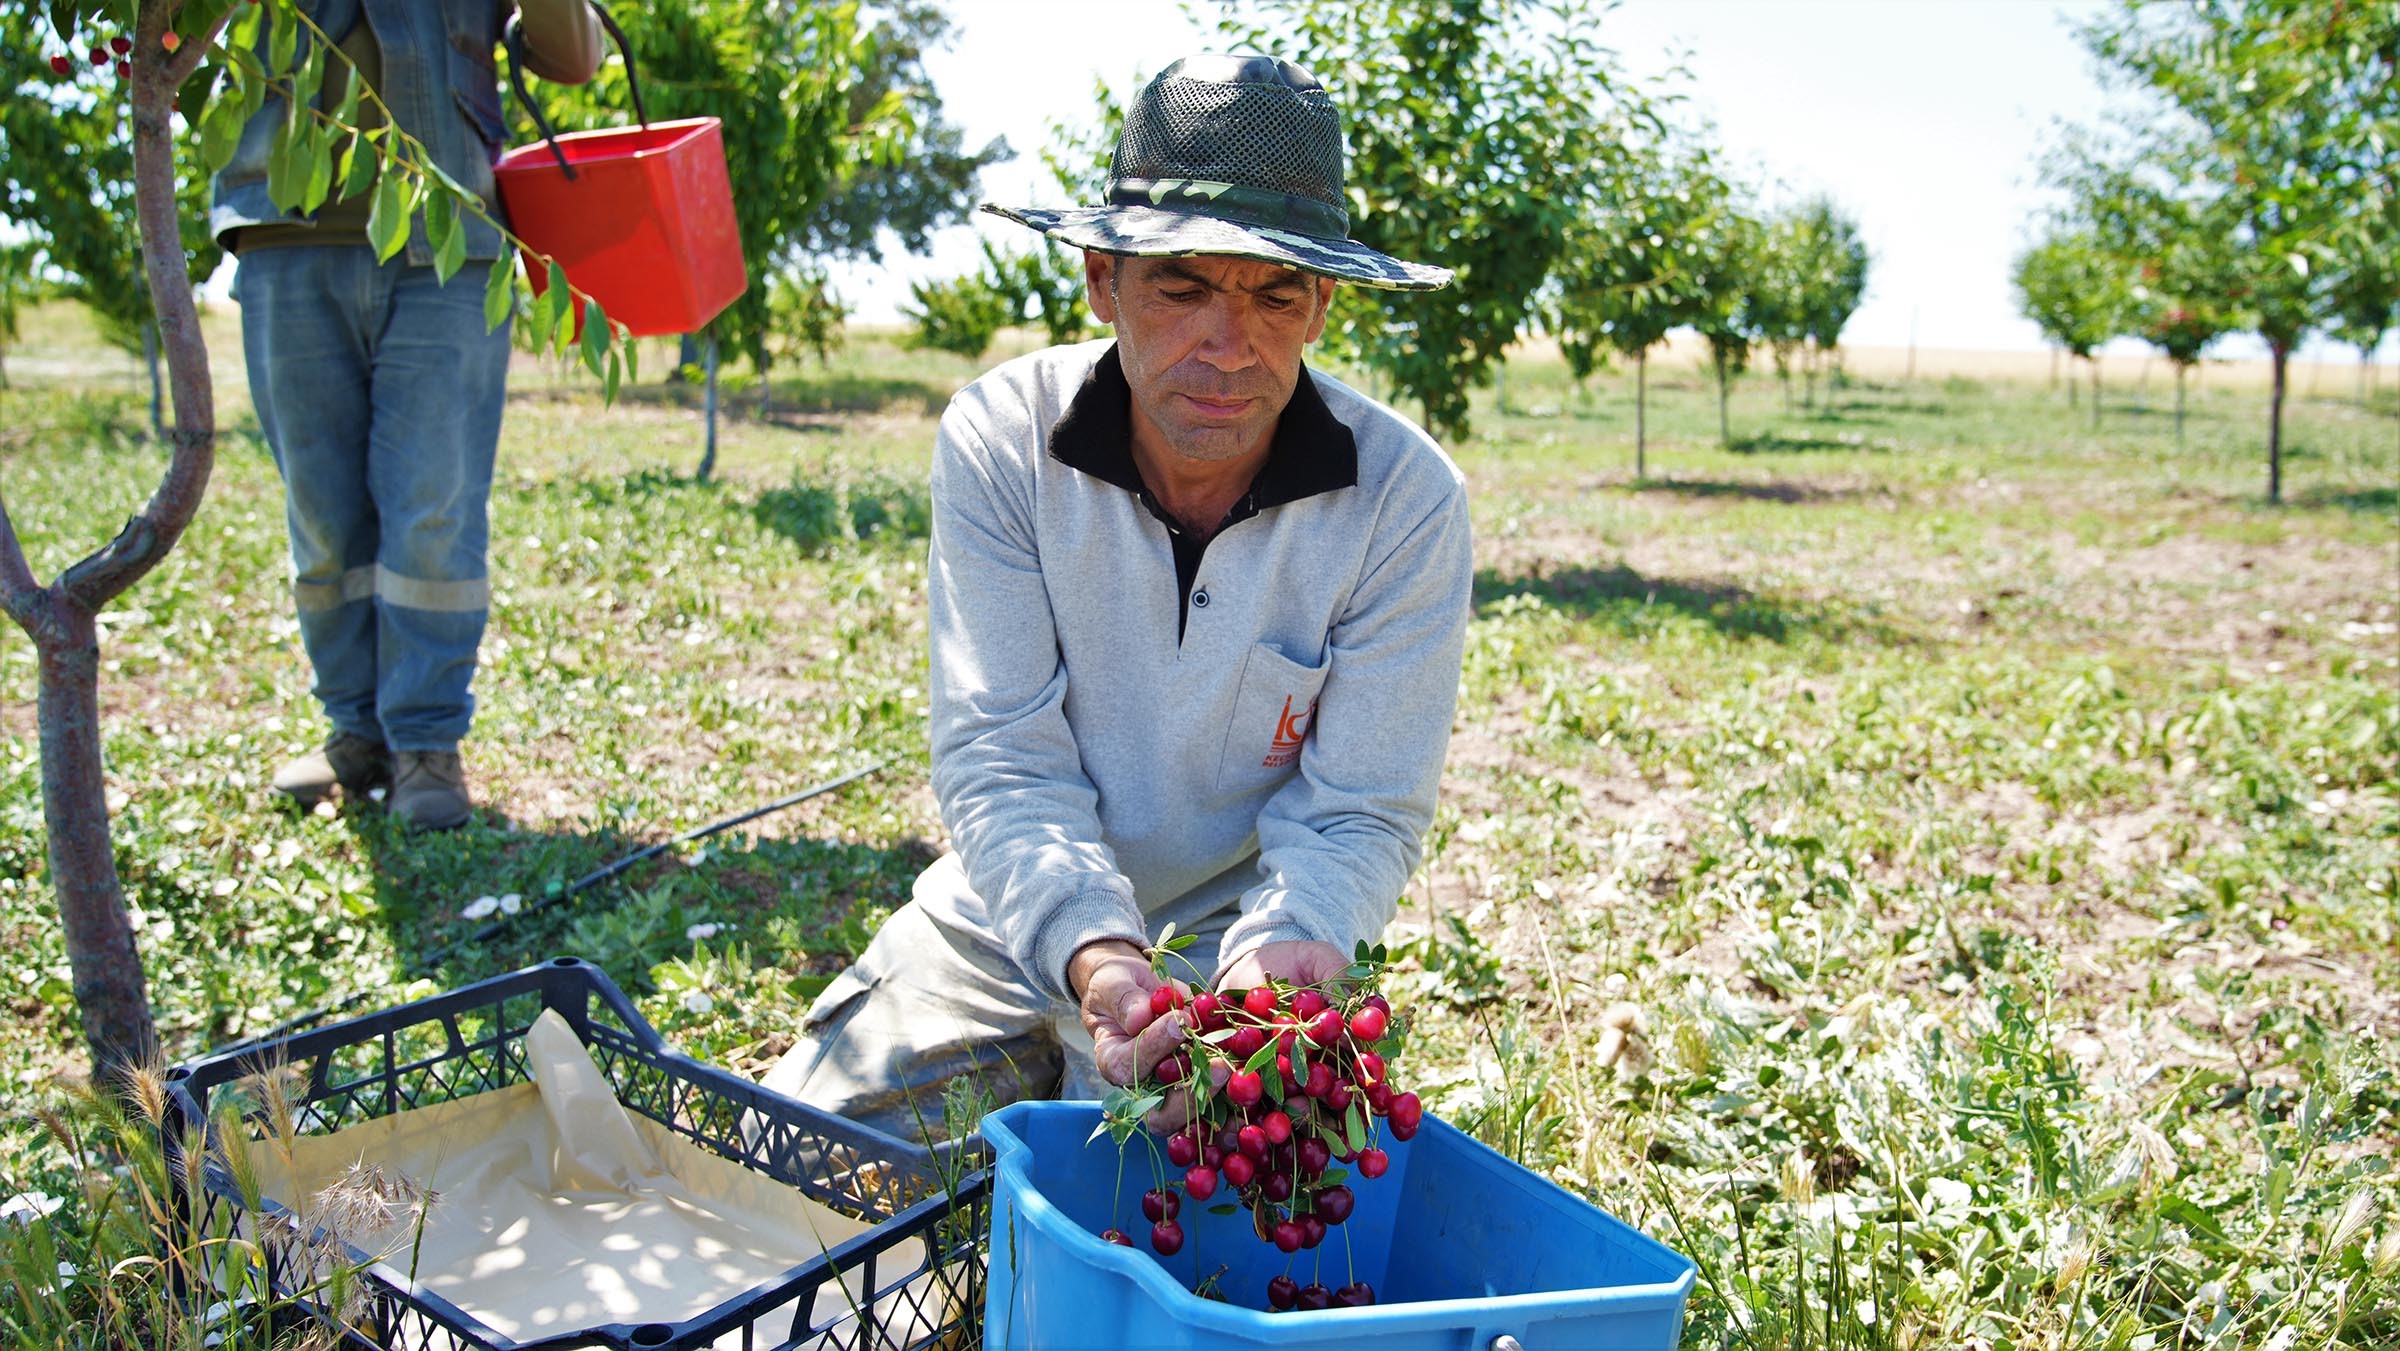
{"points": [[1289, 733]]}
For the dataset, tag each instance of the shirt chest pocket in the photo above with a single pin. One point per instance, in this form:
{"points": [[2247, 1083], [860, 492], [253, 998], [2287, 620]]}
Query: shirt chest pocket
{"points": [[1274, 708]]}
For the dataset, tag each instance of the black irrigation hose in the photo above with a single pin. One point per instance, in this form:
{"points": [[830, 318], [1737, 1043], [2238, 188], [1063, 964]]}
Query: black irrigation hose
{"points": [[432, 959]]}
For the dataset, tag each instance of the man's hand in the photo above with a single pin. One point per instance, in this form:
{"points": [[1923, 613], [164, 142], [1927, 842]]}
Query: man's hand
{"points": [[1298, 963], [1112, 981]]}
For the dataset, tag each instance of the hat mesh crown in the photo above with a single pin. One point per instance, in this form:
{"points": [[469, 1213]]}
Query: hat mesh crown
{"points": [[1267, 136]]}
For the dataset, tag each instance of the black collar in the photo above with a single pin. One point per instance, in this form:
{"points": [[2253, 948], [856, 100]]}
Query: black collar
{"points": [[1313, 451]]}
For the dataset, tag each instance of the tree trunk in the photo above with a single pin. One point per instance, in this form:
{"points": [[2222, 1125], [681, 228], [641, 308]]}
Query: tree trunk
{"points": [[1641, 402], [104, 962], [1724, 426], [687, 355], [2282, 356], [2094, 358], [2074, 395], [158, 422], [708, 457], [1808, 378], [1784, 374], [2179, 405], [2054, 370]]}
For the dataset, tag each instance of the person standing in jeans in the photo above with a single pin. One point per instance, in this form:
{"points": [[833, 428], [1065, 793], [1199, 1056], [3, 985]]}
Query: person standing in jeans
{"points": [[380, 389]]}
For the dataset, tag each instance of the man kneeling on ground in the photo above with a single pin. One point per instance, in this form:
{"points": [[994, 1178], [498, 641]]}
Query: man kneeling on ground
{"points": [[1197, 615]]}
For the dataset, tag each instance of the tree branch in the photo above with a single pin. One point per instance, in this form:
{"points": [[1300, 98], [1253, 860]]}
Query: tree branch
{"points": [[146, 538], [24, 599]]}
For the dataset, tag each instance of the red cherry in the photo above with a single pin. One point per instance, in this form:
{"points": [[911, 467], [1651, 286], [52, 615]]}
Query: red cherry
{"points": [[1288, 1236], [120, 44], [1373, 1162], [124, 70], [1183, 1149], [1260, 1002], [1337, 1098], [1369, 1024], [1379, 1004], [1315, 1296], [1314, 1155], [1240, 1169], [1320, 1078], [1252, 1141], [1174, 1069], [1277, 1188], [1312, 1230], [1276, 1127], [1283, 1292], [1307, 1004], [62, 65], [1211, 1155], [1379, 1097], [1117, 1236], [1327, 1027], [1167, 1237], [1370, 1068], [1355, 1295], [170, 40], [1205, 1012], [1163, 1001], [1400, 1132], [1244, 1089], [1158, 1203], [1407, 1111], [99, 56], [1244, 1043], [1200, 1183], [1336, 1203]]}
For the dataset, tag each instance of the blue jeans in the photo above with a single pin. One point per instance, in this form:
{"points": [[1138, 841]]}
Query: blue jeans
{"points": [[380, 393]]}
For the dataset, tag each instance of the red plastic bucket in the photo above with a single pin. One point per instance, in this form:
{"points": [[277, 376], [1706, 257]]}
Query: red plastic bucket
{"points": [[646, 226]]}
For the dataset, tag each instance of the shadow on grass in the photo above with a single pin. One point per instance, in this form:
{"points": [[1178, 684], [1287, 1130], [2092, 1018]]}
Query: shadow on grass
{"points": [[2379, 500], [1635, 603], [1773, 490], [1780, 443], [797, 905]]}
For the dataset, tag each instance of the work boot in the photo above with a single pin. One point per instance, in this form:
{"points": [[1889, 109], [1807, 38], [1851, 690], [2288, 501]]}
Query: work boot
{"points": [[429, 790], [357, 765]]}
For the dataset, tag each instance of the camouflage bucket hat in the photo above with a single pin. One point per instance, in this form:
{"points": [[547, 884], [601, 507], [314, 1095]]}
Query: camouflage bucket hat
{"points": [[1238, 156]]}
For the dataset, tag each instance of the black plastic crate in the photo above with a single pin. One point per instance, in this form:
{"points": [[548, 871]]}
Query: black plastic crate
{"points": [[472, 1040]]}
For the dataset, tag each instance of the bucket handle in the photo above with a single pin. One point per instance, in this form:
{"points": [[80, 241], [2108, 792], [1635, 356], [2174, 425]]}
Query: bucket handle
{"points": [[515, 41]]}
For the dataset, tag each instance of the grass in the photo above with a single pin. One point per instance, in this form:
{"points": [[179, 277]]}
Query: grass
{"points": [[1932, 862]]}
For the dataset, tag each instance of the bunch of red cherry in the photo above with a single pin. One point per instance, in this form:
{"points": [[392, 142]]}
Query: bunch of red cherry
{"points": [[117, 50], [1284, 1083]]}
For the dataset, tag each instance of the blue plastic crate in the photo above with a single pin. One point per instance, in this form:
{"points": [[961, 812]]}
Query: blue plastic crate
{"points": [[1462, 1246]]}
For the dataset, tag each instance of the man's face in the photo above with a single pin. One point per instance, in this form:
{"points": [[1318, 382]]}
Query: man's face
{"points": [[1211, 346]]}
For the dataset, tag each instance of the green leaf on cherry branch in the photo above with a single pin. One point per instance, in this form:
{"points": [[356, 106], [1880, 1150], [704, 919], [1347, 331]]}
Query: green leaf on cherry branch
{"points": [[499, 290], [1226, 1209]]}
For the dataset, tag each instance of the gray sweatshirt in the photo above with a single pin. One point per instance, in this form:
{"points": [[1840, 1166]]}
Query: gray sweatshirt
{"points": [[1102, 777]]}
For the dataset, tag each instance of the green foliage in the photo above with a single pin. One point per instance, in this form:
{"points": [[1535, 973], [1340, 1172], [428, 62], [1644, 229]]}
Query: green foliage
{"points": [[803, 313], [1044, 284], [1480, 134], [782, 79], [66, 177], [1649, 262], [925, 184], [961, 315], [1832, 261], [2287, 113]]}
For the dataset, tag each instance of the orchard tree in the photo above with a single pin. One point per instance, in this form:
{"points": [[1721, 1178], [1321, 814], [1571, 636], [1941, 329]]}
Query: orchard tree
{"points": [[961, 315], [1479, 133], [207, 65], [2183, 292], [2073, 289], [1777, 296], [1831, 261], [1723, 314], [1637, 268], [2287, 114]]}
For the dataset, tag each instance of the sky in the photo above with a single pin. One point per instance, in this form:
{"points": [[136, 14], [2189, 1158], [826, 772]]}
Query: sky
{"points": [[1926, 119]]}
